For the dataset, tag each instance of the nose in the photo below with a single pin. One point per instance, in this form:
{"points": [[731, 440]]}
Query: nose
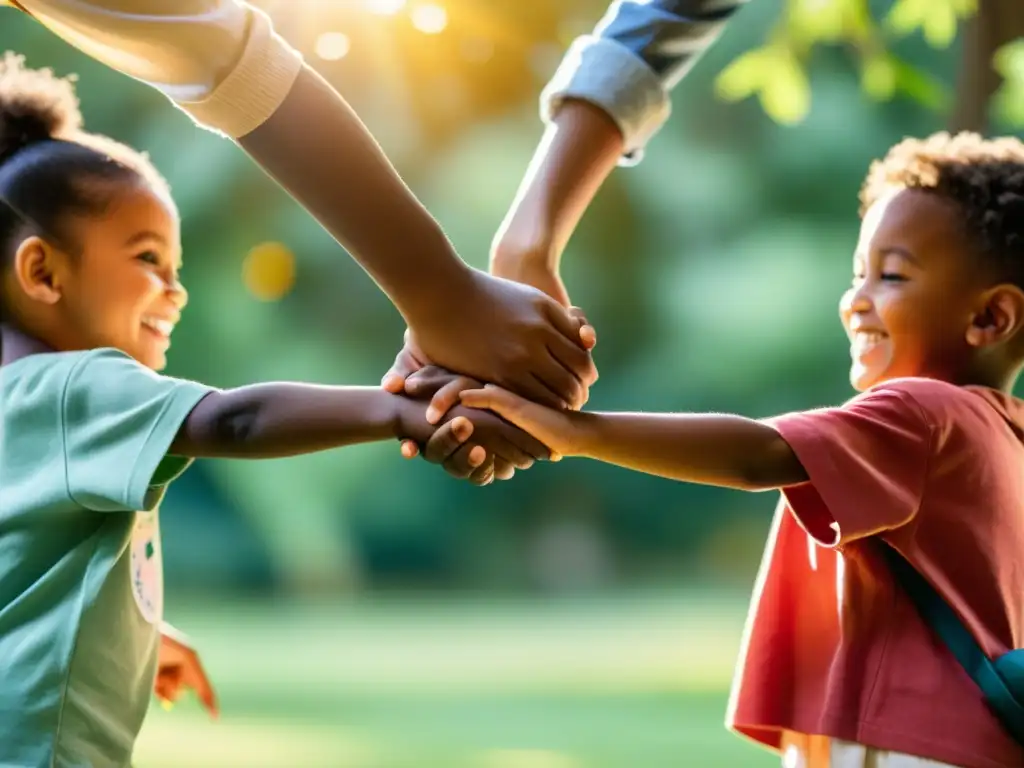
{"points": [[856, 300], [177, 293]]}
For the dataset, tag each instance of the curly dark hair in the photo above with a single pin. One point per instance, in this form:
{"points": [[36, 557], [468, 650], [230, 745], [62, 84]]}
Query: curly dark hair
{"points": [[984, 178]]}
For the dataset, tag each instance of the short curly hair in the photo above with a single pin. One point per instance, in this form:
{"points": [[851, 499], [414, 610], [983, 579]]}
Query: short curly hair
{"points": [[984, 178]]}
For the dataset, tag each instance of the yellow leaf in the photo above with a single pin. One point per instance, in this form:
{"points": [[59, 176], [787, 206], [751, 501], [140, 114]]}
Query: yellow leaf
{"points": [[1009, 61], [907, 16], [939, 26], [878, 77], [786, 92], [743, 77]]}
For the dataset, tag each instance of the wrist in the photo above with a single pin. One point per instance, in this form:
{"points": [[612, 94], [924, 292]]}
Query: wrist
{"points": [[408, 418], [430, 283], [510, 261], [584, 439]]}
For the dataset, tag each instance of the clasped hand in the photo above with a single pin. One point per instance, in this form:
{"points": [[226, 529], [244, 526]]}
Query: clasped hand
{"points": [[498, 448]]}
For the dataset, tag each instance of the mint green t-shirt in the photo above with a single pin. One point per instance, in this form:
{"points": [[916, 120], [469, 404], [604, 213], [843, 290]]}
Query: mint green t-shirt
{"points": [[83, 465]]}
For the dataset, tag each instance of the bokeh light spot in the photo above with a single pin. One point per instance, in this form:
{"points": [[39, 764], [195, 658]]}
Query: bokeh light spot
{"points": [[429, 18], [269, 271], [331, 46]]}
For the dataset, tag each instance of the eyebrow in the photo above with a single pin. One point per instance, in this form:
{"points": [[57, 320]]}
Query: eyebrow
{"points": [[891, 250], [895, 250], [148, 234]]}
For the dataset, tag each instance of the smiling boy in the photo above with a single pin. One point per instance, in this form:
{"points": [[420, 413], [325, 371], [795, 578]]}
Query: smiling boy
{"points": [[837, 667]]}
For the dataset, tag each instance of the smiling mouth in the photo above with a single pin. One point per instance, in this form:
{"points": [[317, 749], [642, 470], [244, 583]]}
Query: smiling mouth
{"points": [[162, 328], [865, 341]]}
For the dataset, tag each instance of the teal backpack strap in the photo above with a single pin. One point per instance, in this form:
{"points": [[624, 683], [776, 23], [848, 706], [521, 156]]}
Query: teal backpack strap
{"points": [[999, 681]]}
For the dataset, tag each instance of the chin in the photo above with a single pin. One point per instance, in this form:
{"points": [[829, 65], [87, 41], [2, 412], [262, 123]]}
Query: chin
{"points": [[862, 380], [152, 359]]}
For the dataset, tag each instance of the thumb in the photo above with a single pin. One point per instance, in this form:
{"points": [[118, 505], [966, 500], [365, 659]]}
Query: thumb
{"points": [[405, 365]]}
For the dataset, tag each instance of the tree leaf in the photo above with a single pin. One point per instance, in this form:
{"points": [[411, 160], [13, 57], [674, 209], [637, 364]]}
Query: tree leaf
{"points": [[907, 16], [878, 77], [940, 25], [743, 77], [786, 91]]}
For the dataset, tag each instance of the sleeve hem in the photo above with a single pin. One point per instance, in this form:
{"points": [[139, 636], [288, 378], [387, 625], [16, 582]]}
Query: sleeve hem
{"points": [[822, 506], [159, 440], [609, 76], [255, 88]]}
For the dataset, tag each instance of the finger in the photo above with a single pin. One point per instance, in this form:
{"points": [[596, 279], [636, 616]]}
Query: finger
{"points": [[200, 683], [465, 461], [503, 470], [511, 453], [566, 321], [587, 333], [446, 398], [447, 439], [427, 381], [484, 474], [504, 403], [513, 409], [409, 449], [561, 383], [571, 356], [533, 389], [167, 688]]}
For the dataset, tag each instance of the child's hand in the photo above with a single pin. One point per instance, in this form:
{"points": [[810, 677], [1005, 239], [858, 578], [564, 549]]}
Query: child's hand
{"points": [[448, 444], [444, 387], [556, 429], [178, 667]]}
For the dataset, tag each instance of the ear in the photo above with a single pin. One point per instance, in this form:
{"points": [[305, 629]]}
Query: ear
{"points": [[37, 270], [1000, 316]]}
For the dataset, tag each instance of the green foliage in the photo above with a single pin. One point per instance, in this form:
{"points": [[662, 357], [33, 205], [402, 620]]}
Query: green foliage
{"points": [[777, 72], [1008, 102]]}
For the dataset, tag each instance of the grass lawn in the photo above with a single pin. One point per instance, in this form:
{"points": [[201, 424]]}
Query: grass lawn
{"points": [[611, 683]]}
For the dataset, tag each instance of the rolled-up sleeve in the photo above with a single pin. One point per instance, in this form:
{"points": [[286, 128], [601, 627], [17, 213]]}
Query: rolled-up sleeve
{"points": [[638, 52], [219, 60]]}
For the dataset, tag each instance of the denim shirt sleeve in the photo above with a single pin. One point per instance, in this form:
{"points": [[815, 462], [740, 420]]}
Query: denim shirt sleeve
{"points": [[638, 52]]}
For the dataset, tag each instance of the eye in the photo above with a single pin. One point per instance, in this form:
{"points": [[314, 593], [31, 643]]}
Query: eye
{"points": [[150, 257], [894, 277]]}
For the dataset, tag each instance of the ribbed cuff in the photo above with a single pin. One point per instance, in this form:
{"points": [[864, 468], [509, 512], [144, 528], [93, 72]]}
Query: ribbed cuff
{"points": [[613, 78], [256, 87]]}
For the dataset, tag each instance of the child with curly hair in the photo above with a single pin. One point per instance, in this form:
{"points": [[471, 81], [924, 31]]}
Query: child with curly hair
{"points": [[92, 436], [838, 667]]}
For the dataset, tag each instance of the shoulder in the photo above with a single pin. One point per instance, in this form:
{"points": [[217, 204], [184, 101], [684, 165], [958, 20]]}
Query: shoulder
{"points": [[938, 402]]}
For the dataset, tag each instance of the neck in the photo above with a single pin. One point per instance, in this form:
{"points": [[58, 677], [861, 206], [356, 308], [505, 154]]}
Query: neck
{"points": [[994, 375], [16, 344]]}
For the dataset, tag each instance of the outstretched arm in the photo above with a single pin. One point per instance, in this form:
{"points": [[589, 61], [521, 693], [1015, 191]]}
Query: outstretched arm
{"points": [[275, 420], [605, 102], [220, 61], [711, 449]]}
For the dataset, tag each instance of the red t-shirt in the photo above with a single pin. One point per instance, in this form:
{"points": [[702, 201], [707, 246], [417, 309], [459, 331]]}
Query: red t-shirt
{"points": [[831, 646]]}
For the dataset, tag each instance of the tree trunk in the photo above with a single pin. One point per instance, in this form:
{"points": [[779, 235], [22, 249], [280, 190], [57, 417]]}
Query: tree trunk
{"points": [[996, 23]]}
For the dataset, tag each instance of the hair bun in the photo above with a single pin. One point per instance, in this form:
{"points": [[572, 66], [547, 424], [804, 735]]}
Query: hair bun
{"points": [[35, 105]]}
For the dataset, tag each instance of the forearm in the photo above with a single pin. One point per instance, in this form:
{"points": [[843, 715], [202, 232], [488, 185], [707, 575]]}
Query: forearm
{"points": [[711, 449], [316, 147], [580, 148], [265, 421]]}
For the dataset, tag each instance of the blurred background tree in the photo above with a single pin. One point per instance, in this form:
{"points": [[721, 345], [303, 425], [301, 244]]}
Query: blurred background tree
{"points": [[450, 90], [712, 271]]}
